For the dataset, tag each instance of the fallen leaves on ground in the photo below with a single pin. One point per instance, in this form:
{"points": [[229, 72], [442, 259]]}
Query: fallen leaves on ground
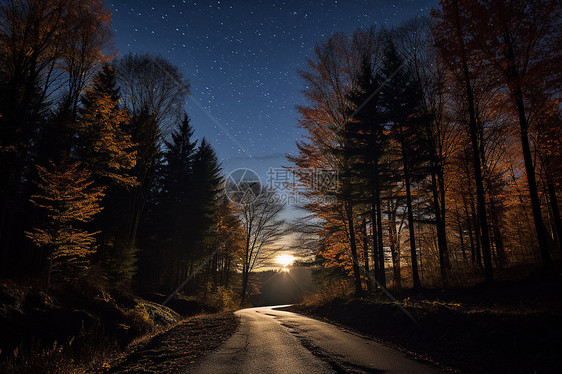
{"points": [[179, 347]]}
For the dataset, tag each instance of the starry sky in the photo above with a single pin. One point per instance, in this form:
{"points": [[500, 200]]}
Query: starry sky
{"points": [[242, 57]]}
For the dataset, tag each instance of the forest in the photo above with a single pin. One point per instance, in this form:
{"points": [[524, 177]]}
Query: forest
{"points": [[442, 135], [98, 156], [105, 194], [445, 133]]}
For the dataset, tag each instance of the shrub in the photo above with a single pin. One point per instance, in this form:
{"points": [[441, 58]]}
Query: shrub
{"points": [[220, 298], [330, 290]]}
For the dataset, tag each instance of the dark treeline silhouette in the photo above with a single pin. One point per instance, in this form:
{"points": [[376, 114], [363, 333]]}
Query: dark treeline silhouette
{"points": [[100, 174], [446, 135]]}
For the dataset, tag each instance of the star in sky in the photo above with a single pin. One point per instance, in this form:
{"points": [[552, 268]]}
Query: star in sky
{"points": [[242, 59]]}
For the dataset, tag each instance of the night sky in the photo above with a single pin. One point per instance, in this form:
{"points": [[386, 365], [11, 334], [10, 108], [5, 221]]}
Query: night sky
{"points": [[242, 57]]}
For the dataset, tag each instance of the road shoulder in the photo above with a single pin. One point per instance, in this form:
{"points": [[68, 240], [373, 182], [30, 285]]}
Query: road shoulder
{"points": [[181, 347], [450, 336]]}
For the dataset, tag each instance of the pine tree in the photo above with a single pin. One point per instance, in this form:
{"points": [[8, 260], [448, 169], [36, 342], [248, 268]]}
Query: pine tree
{"points": [[69, 199], [183, 211], [177, 173], [175, 210], [207, 184], [144, 130], [103, 144], [349, 194], [104, 84], [368, 141], [402, 101], [229, 237], [105, 147], [329, 145]]}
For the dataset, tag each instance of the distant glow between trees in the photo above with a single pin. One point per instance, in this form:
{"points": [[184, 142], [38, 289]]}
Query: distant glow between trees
{"points": [[285, 259]]}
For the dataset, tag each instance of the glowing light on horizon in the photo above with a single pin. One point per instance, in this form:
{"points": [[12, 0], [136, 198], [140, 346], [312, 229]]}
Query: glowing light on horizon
{"points": [[285, 260]]}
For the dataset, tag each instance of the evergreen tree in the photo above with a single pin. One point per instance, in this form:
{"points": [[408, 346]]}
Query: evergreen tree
{"points": [[104, 84], [403, 110], [229, 237], [69, 199], [182, 215], [176, 203], [206, 188], [153, 98], [368, 140], [105, 147], [103, 144], [179, 158], [144, 130]]}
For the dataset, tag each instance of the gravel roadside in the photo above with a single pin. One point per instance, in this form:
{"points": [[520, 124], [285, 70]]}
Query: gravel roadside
{"points": [[180, 347]]}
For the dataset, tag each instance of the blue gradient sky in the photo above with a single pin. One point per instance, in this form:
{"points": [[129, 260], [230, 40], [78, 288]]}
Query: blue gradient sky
{"points": [[242, 58]]}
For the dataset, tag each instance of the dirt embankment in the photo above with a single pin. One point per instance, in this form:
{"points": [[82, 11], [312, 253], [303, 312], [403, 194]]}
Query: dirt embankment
{"points": [[79, 329]]}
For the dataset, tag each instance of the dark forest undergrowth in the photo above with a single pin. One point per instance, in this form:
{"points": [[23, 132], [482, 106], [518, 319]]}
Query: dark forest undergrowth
{"points": [[508, 327], [73, 328]]}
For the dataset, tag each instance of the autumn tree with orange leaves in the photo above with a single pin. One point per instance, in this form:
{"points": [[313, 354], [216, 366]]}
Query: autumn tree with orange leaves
{"points": [[67, 195], [519, 43], [483, 180]]}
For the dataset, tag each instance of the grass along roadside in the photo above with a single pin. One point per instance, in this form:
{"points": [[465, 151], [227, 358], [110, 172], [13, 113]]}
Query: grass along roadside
{"points": [[72, 329], [84, 328]]}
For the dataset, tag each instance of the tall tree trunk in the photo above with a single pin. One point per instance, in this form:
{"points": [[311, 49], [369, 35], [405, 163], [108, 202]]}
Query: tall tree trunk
{"points": [[514, 77], [366, 255], [480, 196], [374, 223], [498, 238], [441, 184], [555, 211], [469, 227], [443, 232], [472, 247], [213, 269], [441, 235], [531, 180], [227, 274], [421, 258], [461, 237], [394, 246], [244, 286], [477, 234], [353, 247], [413, 253], [382, 276]]}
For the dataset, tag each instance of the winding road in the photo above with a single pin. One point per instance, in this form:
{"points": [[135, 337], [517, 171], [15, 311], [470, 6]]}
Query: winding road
{"points": [[274, 341]]}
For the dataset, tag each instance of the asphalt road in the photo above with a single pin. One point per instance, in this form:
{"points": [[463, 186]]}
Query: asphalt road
{"points": [[274, 341]]}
